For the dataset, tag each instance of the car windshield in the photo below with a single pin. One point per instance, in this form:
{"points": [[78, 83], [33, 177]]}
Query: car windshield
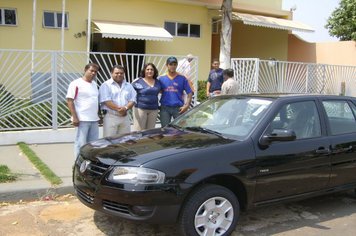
{"points": [[233, 117]]}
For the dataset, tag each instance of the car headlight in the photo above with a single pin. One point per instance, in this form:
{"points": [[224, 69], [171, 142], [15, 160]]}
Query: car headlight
{"points": [[136, 175]]}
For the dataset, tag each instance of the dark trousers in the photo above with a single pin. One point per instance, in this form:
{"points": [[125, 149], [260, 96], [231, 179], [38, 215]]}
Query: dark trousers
{"points": [[166, 114]]}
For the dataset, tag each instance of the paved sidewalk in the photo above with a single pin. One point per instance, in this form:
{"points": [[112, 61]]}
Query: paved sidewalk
{"points": [[59, 157]]}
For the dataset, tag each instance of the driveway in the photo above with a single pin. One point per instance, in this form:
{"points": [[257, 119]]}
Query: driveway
{"points": [[328, 215]]}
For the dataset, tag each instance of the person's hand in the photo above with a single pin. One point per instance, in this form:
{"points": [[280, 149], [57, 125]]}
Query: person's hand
{"points": [[122, 111], [183, 109], [75, 122]]}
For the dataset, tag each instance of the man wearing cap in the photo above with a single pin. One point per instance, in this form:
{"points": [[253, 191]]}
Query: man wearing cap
{"points": [[173, 87]]}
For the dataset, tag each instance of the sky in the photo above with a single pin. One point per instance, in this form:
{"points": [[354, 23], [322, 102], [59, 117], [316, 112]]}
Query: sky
{"points": [[315, 14]]}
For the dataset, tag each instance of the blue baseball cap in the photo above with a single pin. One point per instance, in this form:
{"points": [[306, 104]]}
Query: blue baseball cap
{"points": [[171, 60]]}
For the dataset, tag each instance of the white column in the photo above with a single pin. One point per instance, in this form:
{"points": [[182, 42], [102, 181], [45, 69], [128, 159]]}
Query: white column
{"points": [[34, 3], [89, 27], [62, 33], [63, 24]]}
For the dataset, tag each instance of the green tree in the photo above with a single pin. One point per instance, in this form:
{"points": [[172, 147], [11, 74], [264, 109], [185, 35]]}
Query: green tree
{"points": [[342, 22]]}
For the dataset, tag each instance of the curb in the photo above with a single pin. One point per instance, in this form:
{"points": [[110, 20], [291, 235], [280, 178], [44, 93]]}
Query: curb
{"points": [[34, 194]]}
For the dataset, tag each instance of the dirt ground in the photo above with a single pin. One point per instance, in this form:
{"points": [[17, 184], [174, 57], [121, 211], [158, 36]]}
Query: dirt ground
{"points": [[65, 215]]}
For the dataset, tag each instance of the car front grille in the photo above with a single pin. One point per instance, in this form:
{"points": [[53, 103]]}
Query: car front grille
{"points": [[85, 196], [95, 168], [115, 206]]}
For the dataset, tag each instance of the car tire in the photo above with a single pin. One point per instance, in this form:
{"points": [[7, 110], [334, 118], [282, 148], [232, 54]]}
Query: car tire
{"points": [[209, 210]]}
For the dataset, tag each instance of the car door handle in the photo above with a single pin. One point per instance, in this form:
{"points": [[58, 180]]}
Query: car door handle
{"points": [[323, 151]]}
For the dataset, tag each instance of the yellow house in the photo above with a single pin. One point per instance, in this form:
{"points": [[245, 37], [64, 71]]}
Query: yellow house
{"points": [[164, 27]]}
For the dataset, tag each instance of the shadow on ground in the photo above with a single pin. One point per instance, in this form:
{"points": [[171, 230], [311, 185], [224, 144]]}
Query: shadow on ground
{"points": [[305, 217]]}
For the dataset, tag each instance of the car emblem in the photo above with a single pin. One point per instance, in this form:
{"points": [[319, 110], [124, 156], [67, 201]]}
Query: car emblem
{"points": [[84, 166]]}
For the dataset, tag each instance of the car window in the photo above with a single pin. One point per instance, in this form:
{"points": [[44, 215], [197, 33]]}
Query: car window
{"points": [[228, 116], [301, 117], [341, 117]]}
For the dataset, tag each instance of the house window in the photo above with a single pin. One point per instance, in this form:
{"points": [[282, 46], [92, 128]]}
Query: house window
{"points": [[182, 29], [170, 27], [8, 16], [54, 20], [194, 31]]}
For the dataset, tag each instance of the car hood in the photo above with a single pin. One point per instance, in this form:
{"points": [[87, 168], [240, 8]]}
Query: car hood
{"points": [[139, 147]]}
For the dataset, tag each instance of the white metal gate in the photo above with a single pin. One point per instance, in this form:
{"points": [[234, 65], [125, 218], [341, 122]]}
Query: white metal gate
{"points": [[33, 84], [270, 76]]}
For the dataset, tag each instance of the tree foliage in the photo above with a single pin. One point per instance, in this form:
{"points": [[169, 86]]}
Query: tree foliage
{"points": [[342, 22]]}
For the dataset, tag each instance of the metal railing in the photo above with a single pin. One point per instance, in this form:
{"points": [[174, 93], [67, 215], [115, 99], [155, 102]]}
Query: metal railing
{"points": [[33, 84], [270, 76]]}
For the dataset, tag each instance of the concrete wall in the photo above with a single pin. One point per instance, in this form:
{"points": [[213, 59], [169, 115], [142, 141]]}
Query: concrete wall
{"points": [[254, 42], [334, 53], [20, 36], [267, 4], [301, 51], [133, 11], [17, 36], [247, 41], [258, 42]]}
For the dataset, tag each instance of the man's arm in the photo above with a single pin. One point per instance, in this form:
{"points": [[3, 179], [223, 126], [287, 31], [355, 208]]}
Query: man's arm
{"points": [[110, 104], [71, 106], [224, 89], [131, 100], [186, 106], [130, 105], [207, 89]]}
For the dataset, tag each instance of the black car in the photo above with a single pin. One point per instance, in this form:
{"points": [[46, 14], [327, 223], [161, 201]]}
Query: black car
{"points": [[228, 154]]}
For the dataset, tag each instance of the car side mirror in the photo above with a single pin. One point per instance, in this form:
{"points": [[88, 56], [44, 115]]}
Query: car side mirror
{"points": [[277, 135]]}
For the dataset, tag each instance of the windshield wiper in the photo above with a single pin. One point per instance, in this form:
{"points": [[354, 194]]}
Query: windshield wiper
{"points": [[175, 126], [204, 130]]}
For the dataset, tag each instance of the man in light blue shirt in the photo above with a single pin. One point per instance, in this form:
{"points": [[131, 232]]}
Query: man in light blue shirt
{"points": [[116, 97]]}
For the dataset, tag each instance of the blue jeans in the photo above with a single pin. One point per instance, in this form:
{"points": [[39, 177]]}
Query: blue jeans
{"points": [[166, 114], [87, 131]]}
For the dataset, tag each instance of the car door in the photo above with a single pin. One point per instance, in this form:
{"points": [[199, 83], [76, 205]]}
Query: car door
{"points": [[341, 122], [293, 167]]}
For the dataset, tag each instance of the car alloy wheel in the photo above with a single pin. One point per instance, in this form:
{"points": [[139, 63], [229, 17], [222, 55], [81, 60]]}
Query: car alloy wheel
{"points": [[214, 216], [211, 210]]}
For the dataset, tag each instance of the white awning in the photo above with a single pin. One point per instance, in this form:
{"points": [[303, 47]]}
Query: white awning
{"points": [[121, 30], [271, 22]]}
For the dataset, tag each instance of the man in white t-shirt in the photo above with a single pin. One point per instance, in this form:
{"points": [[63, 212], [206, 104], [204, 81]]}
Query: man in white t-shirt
{"points": [[83, 103]]}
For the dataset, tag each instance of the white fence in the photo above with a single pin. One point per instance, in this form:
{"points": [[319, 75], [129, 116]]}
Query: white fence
{"points": [[270, 76], [33, 84]]}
